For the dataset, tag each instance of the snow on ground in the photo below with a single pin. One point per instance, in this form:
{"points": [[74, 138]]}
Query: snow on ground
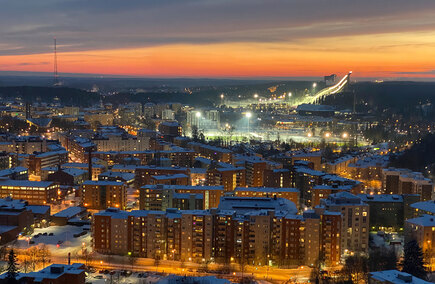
{"points": [[388, 240], [135, 278], [62, 235]]}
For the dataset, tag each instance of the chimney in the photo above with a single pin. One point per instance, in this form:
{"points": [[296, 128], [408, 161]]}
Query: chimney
{"points": [[90, 164]]}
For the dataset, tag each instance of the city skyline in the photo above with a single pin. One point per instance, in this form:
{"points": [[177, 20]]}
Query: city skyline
{"points": [[392, 39]]}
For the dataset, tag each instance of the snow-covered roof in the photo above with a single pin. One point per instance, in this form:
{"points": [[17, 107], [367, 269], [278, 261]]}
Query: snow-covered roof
{"points": [[39, 209], [342, 198], [70, 212], [396, 277], [424, 220], [381, 197], [164, 177], [53, 271], [427, 206], [267, 189], [183, 187], [25, 183], [242, 205], [102, 182], [311, 107], [11, 171], [74, 171]]}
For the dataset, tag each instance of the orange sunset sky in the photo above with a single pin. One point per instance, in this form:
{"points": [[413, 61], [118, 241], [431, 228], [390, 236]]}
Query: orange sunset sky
{"points": [[221, 38]]}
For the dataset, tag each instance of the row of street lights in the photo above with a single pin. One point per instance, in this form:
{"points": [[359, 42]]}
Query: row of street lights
{"points": [[344, 135]]}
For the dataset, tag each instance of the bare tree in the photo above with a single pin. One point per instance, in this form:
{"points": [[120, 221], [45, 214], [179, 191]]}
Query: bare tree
{"points": [[33, 255], [26, 264], [44, 255]]}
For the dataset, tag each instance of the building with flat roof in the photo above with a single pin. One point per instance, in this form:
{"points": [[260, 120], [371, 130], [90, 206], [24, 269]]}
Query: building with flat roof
{"points": [[210, 194], [422, 230], [394, 277], [61, 218], [423, 207], [18, 173], [291, 194], [355, 220], [405, 181], [100, 195], [256, 235], [35, 192], [388, 212], [53, 274], [174, 179]]}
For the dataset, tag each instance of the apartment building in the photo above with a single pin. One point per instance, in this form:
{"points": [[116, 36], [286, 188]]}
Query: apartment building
{"points": [[100, 195], [229, 177], [355, 220], [291, 194], [422, 230], [212, 152], [277, 178], [263, 236], [143, 174], [404, 181], [120, 143], [35, 162], [160, 196]]}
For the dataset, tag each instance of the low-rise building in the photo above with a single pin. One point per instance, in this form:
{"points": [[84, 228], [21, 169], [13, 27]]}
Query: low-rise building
{"points": [[53, 274], [17, 173], [394, 277], [63, 217], [35, 192], [68, 176]]}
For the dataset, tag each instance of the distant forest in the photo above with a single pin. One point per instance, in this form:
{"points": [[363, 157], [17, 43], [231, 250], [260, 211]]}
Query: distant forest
{"points": [[418, 157], [408, 99], [67, 96]]}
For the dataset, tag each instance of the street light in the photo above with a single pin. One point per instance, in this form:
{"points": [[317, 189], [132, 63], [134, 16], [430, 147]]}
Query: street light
{"points": [[248, 115], [255, 96], [314, 84], [198, 116], [327, 134], [345, 135]]}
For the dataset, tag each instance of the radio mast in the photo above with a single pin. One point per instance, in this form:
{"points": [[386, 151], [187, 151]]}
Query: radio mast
{"points": [[55, 74]]}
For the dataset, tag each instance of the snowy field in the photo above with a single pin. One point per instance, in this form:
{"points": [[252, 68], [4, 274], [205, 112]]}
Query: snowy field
{"points": [[59, 239]]}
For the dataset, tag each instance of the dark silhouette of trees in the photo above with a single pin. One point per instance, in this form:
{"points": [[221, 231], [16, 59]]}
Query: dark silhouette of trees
{"points": [[12, 271], [418, 156], [195, 135], [382, 259], [355, 269], [413, 260]]}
